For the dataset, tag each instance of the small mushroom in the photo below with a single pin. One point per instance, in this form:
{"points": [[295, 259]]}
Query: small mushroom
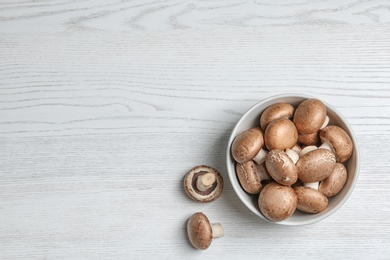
{"points": [[203, 183], [310, 200], [310, 116], [247, 144], [337, 140], [201, 232], [275, 111], [281, 168], [335, 182], [277, 202], [250, 176], [280, 134], [315, 165]]}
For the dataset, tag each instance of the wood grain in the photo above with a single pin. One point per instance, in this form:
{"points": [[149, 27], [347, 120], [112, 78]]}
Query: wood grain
{"points": [[105, 105]]}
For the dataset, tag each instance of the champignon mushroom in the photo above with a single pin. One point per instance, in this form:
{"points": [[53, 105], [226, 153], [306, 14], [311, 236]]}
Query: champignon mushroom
{"points": [[310, 200], [201, 232], [277, 202], [310, 116], [247, 144], [203, 183], [337, 140], [315, 165], [275, 111], [335, 182], [281, 168], [250, 176], [280, 134]]}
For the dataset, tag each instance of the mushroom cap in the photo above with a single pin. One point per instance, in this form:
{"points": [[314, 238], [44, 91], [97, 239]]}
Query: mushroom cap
{"points": [[247, 144], [199, 231], [280, 134], [277, 202], [275, 111], [310, 200], [316, 165], [309, 116], [250, 175], [309, 139], [281, 168], [339, 140], [208, 195], [335, 182]]}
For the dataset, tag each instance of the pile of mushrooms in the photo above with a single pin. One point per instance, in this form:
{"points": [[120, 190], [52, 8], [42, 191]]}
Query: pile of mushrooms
{"points": [[293, 160]]}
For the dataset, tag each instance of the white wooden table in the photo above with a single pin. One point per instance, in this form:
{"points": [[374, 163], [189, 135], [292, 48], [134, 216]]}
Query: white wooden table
{"points": [[105, 105]]}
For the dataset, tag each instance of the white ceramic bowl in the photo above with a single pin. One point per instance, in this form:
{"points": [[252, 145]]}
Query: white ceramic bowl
{"points": [[252, 118]]}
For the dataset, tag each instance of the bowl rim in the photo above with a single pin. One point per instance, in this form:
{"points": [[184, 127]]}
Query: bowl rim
{"points": [[236, 185]]}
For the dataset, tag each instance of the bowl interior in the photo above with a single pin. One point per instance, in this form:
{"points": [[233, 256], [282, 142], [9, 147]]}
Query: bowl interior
{"points": [[252, 118]]}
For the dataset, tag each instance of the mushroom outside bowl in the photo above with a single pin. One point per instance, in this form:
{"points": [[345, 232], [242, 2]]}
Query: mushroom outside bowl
{"points": [[251, 119]]}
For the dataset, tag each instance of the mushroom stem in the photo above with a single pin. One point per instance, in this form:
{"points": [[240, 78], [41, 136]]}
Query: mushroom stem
{"points": [[217, 230], [326, 122], [204, 182], [313, 185], [307, 149], [262, 172], [296, 148], [326, 145], [293, 155], [260, 156]]}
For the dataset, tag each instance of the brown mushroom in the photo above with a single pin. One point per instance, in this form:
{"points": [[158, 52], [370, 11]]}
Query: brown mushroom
{"points": [[281, 168], [280, 134], [250, 176], [203, 183], [275, 111], [310, 200], [277, 202], [309, 116], [338, 141], [247, 144], [201, 232], [316, 165], [335, 182]]}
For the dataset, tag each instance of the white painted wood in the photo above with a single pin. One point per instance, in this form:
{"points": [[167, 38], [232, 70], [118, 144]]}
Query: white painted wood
{"points": [[105, 105]]}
